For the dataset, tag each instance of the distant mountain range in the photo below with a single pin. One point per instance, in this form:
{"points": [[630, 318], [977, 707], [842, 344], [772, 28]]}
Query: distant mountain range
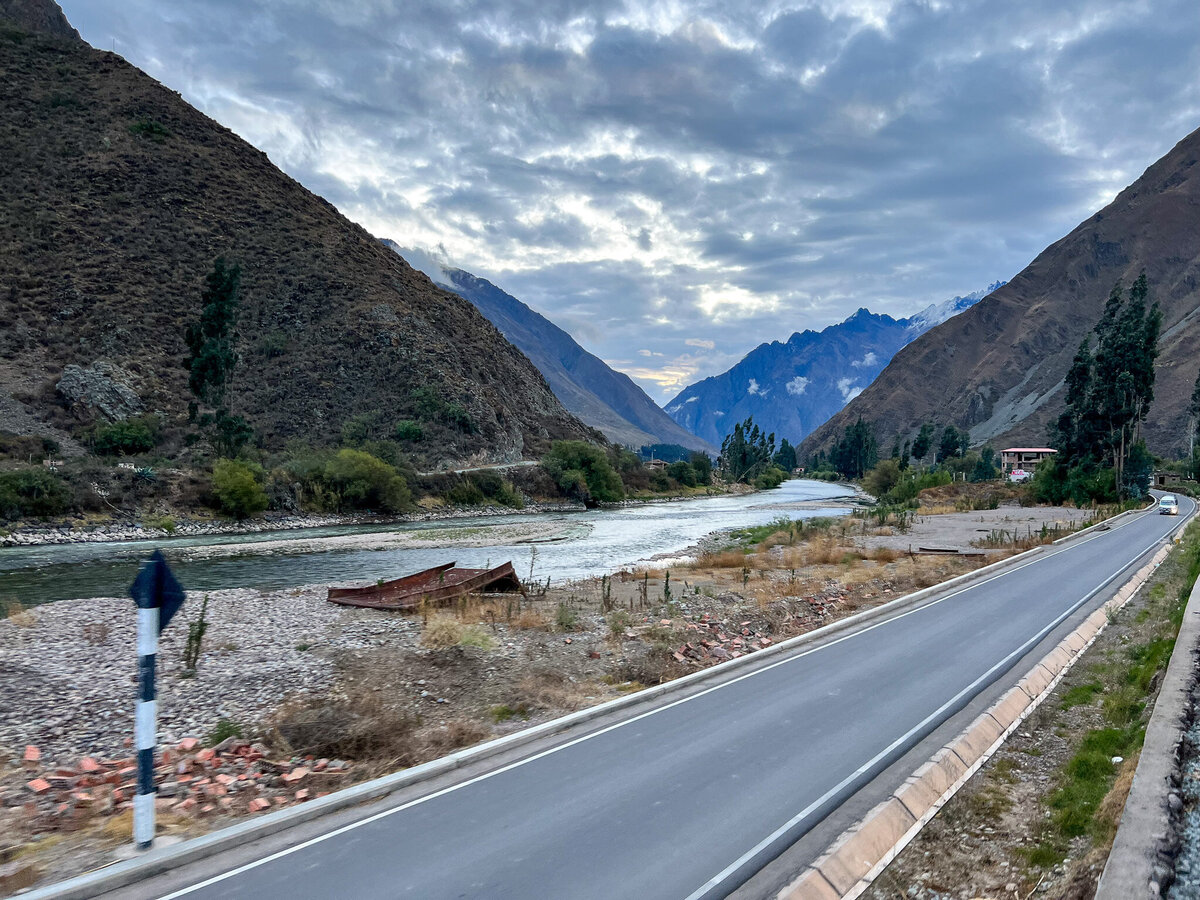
{"points": [[791, 388], [998, 368], [607, 400]]}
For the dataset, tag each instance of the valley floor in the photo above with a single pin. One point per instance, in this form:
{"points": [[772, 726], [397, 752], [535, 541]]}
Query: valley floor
{"points": [[315, 683]]}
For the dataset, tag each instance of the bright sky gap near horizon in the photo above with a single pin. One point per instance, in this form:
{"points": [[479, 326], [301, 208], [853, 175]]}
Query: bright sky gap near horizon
{"points": [[676, 182]]}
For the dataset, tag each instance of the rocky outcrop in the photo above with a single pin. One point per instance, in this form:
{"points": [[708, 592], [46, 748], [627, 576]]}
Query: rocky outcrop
{"points": [[39, 17], [102, 388]]}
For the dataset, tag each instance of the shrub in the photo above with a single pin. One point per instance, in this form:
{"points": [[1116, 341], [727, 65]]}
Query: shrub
{"points": [[367, 482], [238, 491], [683, 473], [584, 471], [431, 406], [32, 492], [772, 477], [408, 430], [124, 438], [360, 428], [224, 729], [145, 127], [881, 479], [491, 486], [26, 448]]}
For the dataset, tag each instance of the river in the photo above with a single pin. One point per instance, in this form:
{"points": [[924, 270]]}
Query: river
{"points": [[587, 543]]}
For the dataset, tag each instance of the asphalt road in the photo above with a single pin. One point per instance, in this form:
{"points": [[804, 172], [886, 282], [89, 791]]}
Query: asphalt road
{"points": [[687, 799]]}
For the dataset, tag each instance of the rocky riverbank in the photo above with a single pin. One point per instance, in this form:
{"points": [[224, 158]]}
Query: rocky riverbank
{"points": [[66, 533]]}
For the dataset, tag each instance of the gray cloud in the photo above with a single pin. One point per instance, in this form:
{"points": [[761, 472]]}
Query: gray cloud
{"points": [[673, 176]]}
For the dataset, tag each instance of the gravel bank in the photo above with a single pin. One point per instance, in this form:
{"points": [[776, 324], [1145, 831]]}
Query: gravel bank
{"points": [[69, 668], [68, 534]]}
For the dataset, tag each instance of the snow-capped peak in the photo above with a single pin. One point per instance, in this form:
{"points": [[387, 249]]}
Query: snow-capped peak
{"points": [[937, 313]]}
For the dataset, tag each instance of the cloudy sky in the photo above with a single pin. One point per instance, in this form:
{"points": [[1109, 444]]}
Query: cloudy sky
{"points": [[676, 182]]}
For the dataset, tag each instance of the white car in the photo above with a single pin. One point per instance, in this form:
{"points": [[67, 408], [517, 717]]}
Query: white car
{"points": [[1168, 505]]}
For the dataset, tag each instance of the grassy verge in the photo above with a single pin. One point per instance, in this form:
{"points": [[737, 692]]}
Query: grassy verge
{"points": [[1085, 804]]}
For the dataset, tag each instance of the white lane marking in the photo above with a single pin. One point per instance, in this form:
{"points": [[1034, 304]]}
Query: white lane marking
{"points": [[717, 880], [789, 659]]}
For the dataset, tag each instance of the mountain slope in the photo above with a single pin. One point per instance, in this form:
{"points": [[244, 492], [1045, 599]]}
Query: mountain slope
{"points": [[605, 399], [998, 368], [792, 387], [115, 199]]}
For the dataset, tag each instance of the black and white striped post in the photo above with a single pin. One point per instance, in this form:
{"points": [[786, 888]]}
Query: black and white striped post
{"points": [[158, 596]]}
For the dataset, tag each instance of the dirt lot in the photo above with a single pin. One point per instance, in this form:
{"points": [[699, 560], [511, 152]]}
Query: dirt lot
{"points": [[305, 683]]}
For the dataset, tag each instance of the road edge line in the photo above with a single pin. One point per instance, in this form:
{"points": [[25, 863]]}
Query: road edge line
{"points": [[155, 862], [852, 863]]}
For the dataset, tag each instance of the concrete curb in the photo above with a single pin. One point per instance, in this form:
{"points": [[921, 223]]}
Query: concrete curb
{"points": [[161, 860], [862, 852], [1141, 862]]}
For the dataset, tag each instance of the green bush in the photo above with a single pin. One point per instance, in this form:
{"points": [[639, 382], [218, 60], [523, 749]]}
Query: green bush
{"points": [[145, 127], [366, 482], [772, 477], [477, 488], [32, 492], [912, 483], [408, 430], [432, 407], [881, 479], [124, 438], [360, 428], [583, 470], [238, 491], [683, 473]]}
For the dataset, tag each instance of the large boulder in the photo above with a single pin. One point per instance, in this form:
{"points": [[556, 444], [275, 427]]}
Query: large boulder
{"points": [[101, 387]]}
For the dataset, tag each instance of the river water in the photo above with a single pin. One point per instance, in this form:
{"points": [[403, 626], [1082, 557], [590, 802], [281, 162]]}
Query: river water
{"points": [[589, 543]]}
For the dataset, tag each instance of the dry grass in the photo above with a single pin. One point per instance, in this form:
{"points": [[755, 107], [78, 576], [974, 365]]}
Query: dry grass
{"points": [[724, 559], [360, 726], [884, 554], [14, 612], [939, 509], [442, 632], [1108, 814], [551, 690], [119, 828], [529, 619], [454, 735]]}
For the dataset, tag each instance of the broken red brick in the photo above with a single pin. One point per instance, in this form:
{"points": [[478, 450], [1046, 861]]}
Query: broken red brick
{"points": [[188, 744], [206, 754], [258, 803], [32, 754], [225, 779], [302, 794], [87, 764], [39, 785]]}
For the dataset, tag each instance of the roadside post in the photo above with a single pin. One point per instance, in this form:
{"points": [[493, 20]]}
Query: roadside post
{"points": [[158, 596]]}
